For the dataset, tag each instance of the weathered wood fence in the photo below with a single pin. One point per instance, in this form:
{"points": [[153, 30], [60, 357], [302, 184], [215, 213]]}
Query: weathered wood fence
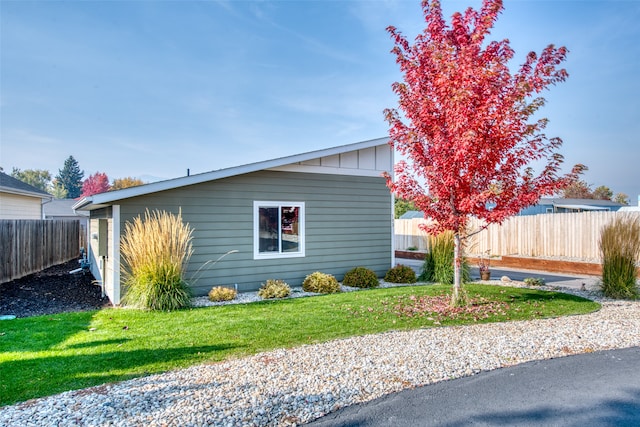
{"points": [[29, 246], [566, 235]]}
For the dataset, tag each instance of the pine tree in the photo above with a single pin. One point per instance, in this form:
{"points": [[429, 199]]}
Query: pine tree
{"points": [[70, 177]]}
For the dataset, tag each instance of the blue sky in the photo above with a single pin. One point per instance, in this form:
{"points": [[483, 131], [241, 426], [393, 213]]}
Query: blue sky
{"points": [[135, 88]]}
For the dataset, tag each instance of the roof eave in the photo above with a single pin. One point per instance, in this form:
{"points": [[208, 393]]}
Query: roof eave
{"points": [[105, 199]]}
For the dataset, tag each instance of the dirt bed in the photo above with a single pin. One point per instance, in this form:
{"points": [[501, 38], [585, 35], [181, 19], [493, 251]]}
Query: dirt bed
{"points": [[51, 291]]}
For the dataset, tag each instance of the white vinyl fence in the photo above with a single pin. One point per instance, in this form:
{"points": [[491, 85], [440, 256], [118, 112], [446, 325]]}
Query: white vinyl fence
{"points": [[559, 235]]}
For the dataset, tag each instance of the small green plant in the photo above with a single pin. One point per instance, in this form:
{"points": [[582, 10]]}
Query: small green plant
{"points": [[534, 281], [620, 251], [155, 252], [361, 277], [438, 263], [321, 283], [412, 248], [221, 293], [274, 289], [400, 274]]}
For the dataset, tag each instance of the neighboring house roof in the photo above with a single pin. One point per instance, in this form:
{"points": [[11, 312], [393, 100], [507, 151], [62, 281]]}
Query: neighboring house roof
{"points": [[105, 199], [412, 215], [59, 208], [9, 184], [578, 203]]}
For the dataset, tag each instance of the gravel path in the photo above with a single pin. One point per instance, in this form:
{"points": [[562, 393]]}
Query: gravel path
{"points": [[294, 386]]}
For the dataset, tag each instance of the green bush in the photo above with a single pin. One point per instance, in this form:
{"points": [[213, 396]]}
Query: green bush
{"points": [[400, 274], [155, 252], [534, 281], [361, 277], [438, 263], [220, 293], [620, 251], [321, 283], [274, 289]]}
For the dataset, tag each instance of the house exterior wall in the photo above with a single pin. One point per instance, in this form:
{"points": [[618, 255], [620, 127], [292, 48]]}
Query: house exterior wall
{"points": [[14, 206], [103, 264], [348, 224]]}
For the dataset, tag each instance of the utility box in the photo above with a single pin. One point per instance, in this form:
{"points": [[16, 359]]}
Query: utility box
{"points": [[103, 227]]}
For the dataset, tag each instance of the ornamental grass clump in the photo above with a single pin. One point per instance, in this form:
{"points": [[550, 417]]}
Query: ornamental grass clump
{"points": [[274, 289], [361, 277], [221, 293], [321, 283], [438, 263], [620, 251], [400, 274], [155, 253]]}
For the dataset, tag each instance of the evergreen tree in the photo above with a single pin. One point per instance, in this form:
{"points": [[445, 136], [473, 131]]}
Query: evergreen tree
{"points": [[70, 177]]}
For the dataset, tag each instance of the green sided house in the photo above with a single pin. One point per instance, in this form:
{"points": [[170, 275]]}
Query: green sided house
{"points": [[327, 210]]}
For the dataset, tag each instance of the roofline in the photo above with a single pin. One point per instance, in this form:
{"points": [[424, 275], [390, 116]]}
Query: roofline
{"points": [[12, 190], [104, 199], [568, 201]]}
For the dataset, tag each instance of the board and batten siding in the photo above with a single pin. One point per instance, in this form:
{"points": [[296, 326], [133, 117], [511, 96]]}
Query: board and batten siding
{"points": [[348, 223]]}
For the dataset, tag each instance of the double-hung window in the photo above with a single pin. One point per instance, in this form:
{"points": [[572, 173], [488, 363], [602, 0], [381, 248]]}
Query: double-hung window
{"points": [[278, 229]]}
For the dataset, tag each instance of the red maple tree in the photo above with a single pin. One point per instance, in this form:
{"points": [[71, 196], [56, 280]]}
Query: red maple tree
{"points": [[94, 184], [465, 126]]}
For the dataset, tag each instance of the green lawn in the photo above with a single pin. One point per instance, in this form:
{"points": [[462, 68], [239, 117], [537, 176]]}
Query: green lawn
{"points": [[43, 355]]}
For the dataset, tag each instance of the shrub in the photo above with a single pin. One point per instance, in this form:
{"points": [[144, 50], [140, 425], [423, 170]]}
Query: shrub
{"points": [[361, 277], [438, 263], [155, 252], [534, 281], [274, 289], [220, 293], [620, 250], [400, 274], [320, 283]]}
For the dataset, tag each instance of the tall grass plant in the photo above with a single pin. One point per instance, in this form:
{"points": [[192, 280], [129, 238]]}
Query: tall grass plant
{"points": [[156, 251], [620, 252], [438, 265]]}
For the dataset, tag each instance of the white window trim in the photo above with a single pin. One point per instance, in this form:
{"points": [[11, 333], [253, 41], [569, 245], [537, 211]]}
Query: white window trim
{"points": [[256, 230]]}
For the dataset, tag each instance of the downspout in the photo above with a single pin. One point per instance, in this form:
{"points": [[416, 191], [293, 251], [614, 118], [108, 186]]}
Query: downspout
{"points": [[48, 200]]}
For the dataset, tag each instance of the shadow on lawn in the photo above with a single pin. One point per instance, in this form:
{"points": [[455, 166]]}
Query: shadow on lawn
{"points": [[33, 334], [42, 376]]}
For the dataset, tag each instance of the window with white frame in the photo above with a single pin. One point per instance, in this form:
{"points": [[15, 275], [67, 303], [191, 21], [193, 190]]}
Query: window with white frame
{"points": [[278, 229]]}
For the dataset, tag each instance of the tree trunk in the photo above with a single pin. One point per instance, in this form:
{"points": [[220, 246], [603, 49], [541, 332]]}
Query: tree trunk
{"points": [[457, 297]]}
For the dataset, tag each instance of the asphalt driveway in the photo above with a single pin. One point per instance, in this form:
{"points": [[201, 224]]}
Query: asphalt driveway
{"points": [[594, 389]]}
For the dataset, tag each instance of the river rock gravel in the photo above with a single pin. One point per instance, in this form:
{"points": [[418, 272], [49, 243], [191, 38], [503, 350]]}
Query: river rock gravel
{"points": [[293, 386]]}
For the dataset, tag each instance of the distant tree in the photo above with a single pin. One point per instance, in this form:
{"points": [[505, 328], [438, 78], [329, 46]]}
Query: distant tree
{"points": [[70, 178], [602, 193], [402, 206], [95, 184], [57, 190], [621, 198], [465, 124], [120, 183], [38, 178], [577, 190]]}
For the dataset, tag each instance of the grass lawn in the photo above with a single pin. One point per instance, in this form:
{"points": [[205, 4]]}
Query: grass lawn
{"points": [[44, 355]]}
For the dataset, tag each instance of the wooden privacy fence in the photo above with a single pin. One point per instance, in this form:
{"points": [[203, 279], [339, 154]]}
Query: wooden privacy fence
{"points": [[29, 246], [560, 235]]}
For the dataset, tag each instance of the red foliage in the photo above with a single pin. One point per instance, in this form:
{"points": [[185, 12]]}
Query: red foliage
{"points": [[465, 123], [96, 183]]}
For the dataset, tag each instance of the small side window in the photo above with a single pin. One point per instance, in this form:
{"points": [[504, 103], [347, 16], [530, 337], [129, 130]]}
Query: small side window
{"points": [[278, 229]]}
